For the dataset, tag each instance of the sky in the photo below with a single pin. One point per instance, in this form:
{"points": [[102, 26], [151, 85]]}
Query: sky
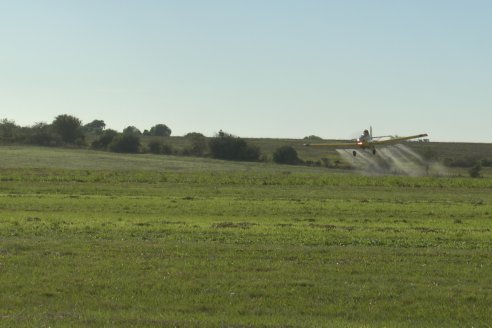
{"points": [[252, 68]]}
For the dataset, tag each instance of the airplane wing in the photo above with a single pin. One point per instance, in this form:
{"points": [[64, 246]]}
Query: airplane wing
{"points": [[400, 139], [333, 145]]}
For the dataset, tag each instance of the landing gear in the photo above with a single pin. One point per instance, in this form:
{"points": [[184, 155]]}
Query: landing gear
{"points": [[354, 153]]}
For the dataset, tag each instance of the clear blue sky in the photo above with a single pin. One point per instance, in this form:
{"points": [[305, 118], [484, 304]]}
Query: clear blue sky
{"points": [[254, 68]]}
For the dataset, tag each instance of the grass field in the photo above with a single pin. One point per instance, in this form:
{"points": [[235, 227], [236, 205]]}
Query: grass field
{"points": [[99, 239]]}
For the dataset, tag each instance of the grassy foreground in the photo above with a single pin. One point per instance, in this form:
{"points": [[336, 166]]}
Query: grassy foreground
{"points": [[94, 239]]}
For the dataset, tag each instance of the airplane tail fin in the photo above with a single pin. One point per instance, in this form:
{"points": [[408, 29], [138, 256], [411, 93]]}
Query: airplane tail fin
{"points": [[370, 131]]}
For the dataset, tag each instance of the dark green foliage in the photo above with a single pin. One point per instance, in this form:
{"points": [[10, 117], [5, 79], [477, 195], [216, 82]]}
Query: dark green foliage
{"points": [[160, 130], [42, 134], [155, 146], [475, 170], [96, 126], [68, 127], [9, 131], [158, 147], [125, 143], [229, 147], [167, 149], [132, 130], [312, 137], [198, 144], [105, 139], [326, 162], [286, 155], [194, 134]]}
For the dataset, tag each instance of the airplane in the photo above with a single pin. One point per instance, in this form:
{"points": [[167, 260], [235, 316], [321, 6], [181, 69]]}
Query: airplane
{"points": [[367, 141]]}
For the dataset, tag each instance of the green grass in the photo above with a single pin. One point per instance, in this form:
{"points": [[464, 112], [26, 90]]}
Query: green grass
{"points": [[97, 239]]}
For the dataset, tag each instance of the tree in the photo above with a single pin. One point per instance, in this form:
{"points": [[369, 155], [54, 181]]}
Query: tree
{"points": [[312, 137], [226, 146], [132, 130], [155, 146], [125, 143], [198, 144], [194, 135], [68, 127], [105, 139], [42, 134], [160, 130], [8, 131], [96, 126], [286, 155]]}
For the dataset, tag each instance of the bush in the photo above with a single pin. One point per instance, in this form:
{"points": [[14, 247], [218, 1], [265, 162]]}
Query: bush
{"points": [[226, 146], [158, 147], [105, 139], [198, 145], [286, 155], [312, 137], [42, 134], [96, 126], [326, 162], [160, 130], [132, 130], [475, 170], [9, 131], [125, 143], [167, 150], [194, 134], [69, 128], [155, 146]]}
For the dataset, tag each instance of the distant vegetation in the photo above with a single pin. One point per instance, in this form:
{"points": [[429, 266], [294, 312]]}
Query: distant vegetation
{"points": [[69, 131], [286, 155], [227, 146], [312, 137]]}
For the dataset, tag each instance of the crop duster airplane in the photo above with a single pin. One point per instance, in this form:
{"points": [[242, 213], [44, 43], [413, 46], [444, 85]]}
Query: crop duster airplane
{"points": [[367, 141]]}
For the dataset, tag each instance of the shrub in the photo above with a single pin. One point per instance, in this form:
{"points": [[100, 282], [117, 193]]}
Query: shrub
{"points": [[326, 162], [9, 131], [167, 150], [286, 155], [198, 145], [125, 143], [475, 170], [193, 134], [68, 127], [160, 130], [226, 146], [155, 146], [312, 137], [132, 130], [96, 126], [105, 139], [42, 134]]}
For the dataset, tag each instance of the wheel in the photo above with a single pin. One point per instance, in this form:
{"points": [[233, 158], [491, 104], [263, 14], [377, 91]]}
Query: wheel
{"points": [[374, 151], [354, 153]]}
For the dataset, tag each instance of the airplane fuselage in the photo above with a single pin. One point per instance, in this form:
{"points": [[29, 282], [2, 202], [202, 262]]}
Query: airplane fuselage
{"points": [[365, 144]]}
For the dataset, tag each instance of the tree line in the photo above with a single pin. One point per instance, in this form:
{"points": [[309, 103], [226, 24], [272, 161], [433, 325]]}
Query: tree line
{"points": [[67, 130]]}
